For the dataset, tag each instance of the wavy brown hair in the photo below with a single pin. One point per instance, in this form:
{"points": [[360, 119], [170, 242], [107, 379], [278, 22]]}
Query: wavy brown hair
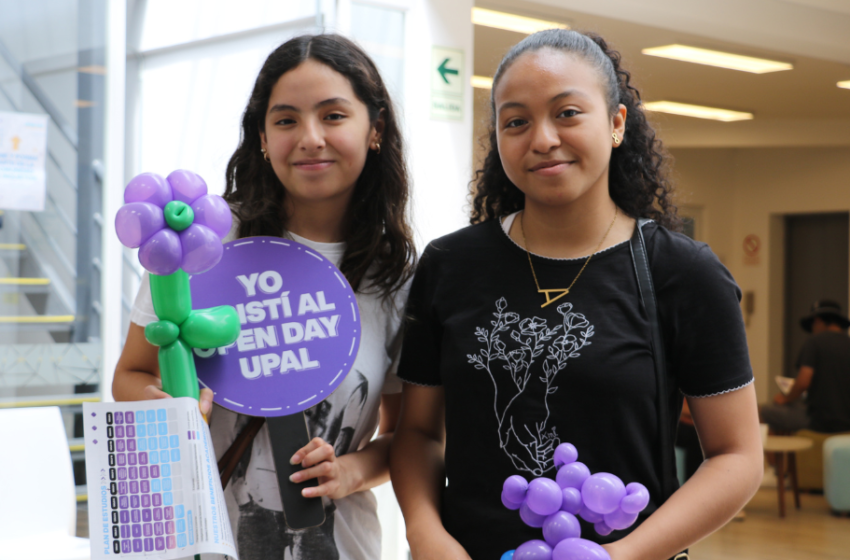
{"points": [[637, 180], [379, 239]]}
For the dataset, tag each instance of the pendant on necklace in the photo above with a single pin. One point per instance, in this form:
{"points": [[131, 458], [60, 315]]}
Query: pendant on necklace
{"points": [[550, 299]]}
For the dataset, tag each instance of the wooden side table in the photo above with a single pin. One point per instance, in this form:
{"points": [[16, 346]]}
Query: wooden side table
{"points": [[782, 446]]}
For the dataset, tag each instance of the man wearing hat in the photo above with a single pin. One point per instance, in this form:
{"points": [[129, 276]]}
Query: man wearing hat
{"points": [[823, 372]]}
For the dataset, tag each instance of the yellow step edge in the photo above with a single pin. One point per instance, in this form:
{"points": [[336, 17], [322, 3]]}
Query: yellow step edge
{"points": [[37, 319], [26, 281], [13, 246], [54, 402]]}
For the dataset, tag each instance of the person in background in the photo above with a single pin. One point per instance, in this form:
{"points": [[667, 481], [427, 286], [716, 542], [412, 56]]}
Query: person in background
{"points": [[823, 374], [320, 161]]}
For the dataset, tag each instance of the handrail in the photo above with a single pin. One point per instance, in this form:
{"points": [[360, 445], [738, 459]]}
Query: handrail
{"points": [[64, 126]]}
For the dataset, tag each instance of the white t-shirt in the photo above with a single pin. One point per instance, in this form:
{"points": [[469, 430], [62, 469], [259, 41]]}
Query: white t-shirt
{"points": [[347, 419]]}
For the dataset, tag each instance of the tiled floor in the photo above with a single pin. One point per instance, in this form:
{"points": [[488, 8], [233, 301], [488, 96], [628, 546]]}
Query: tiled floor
{"points": [[811, 533]]}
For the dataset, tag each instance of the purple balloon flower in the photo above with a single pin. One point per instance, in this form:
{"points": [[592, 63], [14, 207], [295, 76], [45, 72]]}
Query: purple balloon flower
{"points": [[174, 222]]}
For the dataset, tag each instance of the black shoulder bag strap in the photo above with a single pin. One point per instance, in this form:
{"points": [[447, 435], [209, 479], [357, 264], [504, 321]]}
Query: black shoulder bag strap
{"points": [[667, 422]]}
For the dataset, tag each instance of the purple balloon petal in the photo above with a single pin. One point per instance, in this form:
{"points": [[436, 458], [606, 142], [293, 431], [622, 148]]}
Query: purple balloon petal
{"points": [[579, 549], [589, 515], [602, 528], [161, 254], [602, 492], [509, 504], [559, 526], [572, 475], [186, 186], [136, 222], [565, 454], [544, 496], [514, 488], [202, 249], [148, 187], [572, 500], [212, 211], [636, 499], [533, 550], [619, 519], [529, 517]]}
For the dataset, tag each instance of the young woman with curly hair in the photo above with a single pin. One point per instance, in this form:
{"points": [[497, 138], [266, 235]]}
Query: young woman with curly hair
{"points": [[527, 330], [320, 161]]}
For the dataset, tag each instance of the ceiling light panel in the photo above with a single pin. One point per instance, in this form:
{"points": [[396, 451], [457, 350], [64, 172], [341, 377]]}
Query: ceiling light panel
{"points": [[719, 59], [845, 84], [481, 82], [512, 22], [697, 111]]}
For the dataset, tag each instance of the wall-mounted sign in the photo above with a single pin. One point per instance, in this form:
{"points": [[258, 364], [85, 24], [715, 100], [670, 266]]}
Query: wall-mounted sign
{"points": [[300, 327], [447, 83], [23, 147], [752, 247]]}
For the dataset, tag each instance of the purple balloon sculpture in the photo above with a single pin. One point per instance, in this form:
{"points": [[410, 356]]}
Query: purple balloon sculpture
{"points": [[579, 549], [560, 526], [602, 492], [533, 550], [601, 499], [544, 496], [173, 222]]}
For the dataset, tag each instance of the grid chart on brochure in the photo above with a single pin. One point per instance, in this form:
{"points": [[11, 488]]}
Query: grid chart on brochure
{"points": [[155, 492]]}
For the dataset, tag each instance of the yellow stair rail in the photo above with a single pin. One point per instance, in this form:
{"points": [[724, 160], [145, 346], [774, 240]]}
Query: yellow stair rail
{"points": [[25, 281], [37, 319]]}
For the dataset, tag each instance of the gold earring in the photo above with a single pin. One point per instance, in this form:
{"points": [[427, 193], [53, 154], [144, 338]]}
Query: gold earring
{"points": [[616, 138], [265, 155], [377, 147]]}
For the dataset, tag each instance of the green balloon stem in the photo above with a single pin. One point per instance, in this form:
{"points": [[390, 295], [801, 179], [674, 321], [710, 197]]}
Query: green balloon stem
{"points": [[177, 369], [172, 298], [180, 329]]}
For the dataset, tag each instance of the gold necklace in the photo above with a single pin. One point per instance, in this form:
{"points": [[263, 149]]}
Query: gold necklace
{"points": [[563, 291]]}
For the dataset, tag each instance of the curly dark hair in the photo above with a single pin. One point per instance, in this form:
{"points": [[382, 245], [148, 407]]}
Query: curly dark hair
{"points": [[379, 239], [637, 182]]}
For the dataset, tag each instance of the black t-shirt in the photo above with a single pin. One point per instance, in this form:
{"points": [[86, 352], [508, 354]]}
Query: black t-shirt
{"points": [[520, 379], [828, 353]]}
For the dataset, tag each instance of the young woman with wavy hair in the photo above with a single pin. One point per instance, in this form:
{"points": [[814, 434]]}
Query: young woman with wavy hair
{"points": [[527, 330], [320, 161]]}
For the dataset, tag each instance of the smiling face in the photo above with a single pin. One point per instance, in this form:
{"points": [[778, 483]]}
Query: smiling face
{"points": [[317, 134], [554, 128]]}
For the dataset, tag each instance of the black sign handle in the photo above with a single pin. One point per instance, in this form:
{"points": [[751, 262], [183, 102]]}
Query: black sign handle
{"points": [[288, 434]]}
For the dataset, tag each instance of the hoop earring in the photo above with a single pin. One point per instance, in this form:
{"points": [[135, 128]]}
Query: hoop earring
{"points": [[616, 138], [377, 148], [265, 155]]}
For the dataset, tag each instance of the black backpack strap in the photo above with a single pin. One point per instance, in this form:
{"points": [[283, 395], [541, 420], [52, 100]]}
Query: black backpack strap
{"points": [[667, 403]]}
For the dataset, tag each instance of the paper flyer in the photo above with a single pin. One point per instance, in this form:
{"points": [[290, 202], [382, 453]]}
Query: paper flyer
{"points": [[154, 486], [23, 150]]}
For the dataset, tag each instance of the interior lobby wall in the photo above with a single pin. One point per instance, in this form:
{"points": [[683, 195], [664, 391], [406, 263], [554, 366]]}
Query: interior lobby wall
{"points": [[746, 192]]}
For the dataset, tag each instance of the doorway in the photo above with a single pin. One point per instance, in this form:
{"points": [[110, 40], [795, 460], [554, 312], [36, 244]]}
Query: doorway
{"points": [[816, 268]]}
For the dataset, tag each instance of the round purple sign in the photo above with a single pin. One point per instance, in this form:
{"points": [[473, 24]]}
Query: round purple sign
{"points": [[300, 327]]}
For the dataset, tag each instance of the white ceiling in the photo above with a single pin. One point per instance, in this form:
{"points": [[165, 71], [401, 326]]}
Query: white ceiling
{"points": [[801, 107]]}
